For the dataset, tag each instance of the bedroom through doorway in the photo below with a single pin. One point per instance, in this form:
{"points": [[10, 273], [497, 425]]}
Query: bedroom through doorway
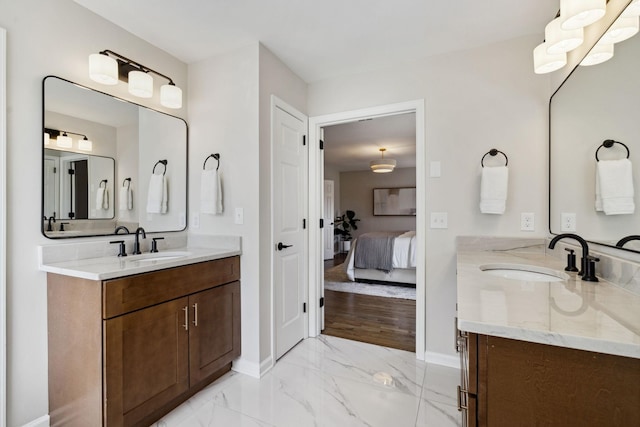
{"points": [[369, 239]]}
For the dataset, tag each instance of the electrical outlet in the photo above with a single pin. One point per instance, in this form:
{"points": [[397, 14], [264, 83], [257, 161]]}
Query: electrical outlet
{"points": [[527, 221], [439, 220], [568, 221]]}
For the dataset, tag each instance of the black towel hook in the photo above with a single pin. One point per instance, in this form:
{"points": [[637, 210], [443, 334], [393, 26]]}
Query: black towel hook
{"points": [[215, 156], [494, 152], [105, 183], [127, 181], [608, 143], [163, 162]]}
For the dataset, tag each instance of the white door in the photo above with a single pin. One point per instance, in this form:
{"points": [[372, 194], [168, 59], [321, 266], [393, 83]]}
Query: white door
{"points": [[289, 196], [328, 215]]}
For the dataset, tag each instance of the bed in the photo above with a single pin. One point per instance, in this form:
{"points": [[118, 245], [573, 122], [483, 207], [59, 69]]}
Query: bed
{"points": [[383, 256]]}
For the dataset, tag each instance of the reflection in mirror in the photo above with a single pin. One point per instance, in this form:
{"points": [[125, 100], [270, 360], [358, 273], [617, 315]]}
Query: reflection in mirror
{"points": [[98, 159], [595, 104]]}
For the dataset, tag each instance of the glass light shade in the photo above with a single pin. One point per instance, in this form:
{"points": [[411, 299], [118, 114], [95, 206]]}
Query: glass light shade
{"points": [[140, 84], [544, 62], [559, 40], [85, 145], [171, 96], [600, 53], [64, 141], [47, 138], [633, 9], [382, 165], [623, 28], [580, 13], [103, 69]]}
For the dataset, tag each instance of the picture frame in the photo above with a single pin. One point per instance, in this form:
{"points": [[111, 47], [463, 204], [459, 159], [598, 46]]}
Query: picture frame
{"points": [[398, 201]]}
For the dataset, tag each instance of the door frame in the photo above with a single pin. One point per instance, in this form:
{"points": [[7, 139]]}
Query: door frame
{"points": [[316, 177], [279, 103]]}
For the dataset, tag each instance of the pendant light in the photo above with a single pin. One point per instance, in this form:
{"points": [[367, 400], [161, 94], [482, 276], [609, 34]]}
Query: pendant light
{"points": [[559, 40], [382, 165], [103, 69], [544, 62], [580, 13], [600, 53], [140, 84]]}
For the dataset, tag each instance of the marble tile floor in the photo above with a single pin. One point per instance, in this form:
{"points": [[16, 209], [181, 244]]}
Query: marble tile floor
{"points": [[330, 382]]}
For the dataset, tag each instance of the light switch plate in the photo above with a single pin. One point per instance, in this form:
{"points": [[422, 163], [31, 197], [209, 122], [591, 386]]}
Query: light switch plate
{"points": [[239, 216], [435, 170], [439, 220]]}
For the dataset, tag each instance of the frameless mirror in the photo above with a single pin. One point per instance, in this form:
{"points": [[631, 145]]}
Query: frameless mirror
{"points": [[98, 160], [595, 104]]}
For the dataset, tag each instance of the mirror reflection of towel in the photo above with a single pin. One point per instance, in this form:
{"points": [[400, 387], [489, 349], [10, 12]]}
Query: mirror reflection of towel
{"points": [[211, 192], [157, 196], [102, 198], [125, 199]]}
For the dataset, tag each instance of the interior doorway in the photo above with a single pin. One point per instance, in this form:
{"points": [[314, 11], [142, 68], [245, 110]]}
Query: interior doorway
{"points": [[371, 309], [316, 173]]}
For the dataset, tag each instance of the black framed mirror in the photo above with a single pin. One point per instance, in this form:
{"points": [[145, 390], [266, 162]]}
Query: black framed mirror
{"points": [[99, 159]]}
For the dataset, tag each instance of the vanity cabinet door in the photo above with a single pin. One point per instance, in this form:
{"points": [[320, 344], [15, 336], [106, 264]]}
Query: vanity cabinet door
{"points": [[146, 361], [214, 334]]}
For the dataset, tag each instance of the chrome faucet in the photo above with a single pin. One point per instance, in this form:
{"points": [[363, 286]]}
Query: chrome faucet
{"points": [[123, 228], [624, 240], [588, 271], [136, 243]]}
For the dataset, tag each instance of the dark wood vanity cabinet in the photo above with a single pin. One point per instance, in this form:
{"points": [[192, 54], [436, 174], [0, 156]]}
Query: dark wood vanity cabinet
{"points": [[124, 352], [517, 383]]}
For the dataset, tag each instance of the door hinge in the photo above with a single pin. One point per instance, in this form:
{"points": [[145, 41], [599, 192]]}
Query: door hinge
{"points": [[55, 169], [304, 224], [321, 144], [321, 302], [304, 139], [72, 172], [321, 223], [304, 307]]}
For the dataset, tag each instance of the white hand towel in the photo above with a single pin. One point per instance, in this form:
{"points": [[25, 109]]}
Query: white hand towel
{"points": [[105, 199], [211, 192], [99, 198], [493, 189], [125, 199], [615, 179], [157, 196]]}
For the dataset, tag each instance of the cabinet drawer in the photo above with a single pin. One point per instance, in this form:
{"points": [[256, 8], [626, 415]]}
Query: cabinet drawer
{"points": [[131, 293]]}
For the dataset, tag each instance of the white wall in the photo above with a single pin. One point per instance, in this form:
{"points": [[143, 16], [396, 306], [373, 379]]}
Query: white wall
{"points": [[46, 37], [356, 194], [475, 100]]}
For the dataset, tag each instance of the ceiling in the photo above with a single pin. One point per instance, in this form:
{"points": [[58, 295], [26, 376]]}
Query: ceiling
{"points": [[324, 39], [351, 146]]}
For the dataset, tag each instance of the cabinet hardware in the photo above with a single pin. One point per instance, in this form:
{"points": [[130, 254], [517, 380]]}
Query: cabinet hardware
{"points": [[462, 403], [186, 318], [195, 314]]}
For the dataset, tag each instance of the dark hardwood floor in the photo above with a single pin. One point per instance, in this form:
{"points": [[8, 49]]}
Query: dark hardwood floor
{"points": [[390, 322]]}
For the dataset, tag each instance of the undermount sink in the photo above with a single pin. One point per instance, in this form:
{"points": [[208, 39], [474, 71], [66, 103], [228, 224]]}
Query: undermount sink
{"points": [[529, 273], [159, 256]]}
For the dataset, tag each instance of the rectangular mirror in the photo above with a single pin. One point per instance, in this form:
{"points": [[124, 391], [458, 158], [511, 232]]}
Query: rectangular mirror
{"points": [[99, 155], [594, 104]]}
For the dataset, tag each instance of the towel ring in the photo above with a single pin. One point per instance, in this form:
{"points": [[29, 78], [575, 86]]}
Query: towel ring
{"points": [[494, 152], [163, 162], [105, 183], [215, 156], [127, 181], [608, 143]]}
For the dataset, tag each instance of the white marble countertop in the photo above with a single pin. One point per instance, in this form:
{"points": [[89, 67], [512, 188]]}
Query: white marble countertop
{"points": [[599, 317], [99, 260]]}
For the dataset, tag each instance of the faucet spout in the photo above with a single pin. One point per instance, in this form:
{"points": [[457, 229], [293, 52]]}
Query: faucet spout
{"points": [[587, 262], [136, 243], [627, 239], [583, 243]]}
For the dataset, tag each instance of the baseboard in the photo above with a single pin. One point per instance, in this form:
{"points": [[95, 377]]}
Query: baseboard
{"points": [[244, 367], [43, 421], [266, 365], [442, 359]]}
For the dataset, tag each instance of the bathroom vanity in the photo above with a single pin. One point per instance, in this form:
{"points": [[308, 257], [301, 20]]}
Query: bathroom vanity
{"points": [[132, 338], [535, 352]]}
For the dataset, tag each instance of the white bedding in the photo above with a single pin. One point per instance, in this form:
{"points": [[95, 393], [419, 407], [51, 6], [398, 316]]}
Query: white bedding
{"points": [[404, 253]]}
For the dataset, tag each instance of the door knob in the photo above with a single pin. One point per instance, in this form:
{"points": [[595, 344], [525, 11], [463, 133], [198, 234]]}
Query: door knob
{"points": [[281, 246]]}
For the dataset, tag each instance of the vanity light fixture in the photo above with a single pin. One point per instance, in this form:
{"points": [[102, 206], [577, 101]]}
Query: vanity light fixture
{"points": [[47, 138], [598, 54], [559, 40], [622, 29], [580, 13], [545, 62], [633, 9], [382, 165], [63, 140], [107, 70]]}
